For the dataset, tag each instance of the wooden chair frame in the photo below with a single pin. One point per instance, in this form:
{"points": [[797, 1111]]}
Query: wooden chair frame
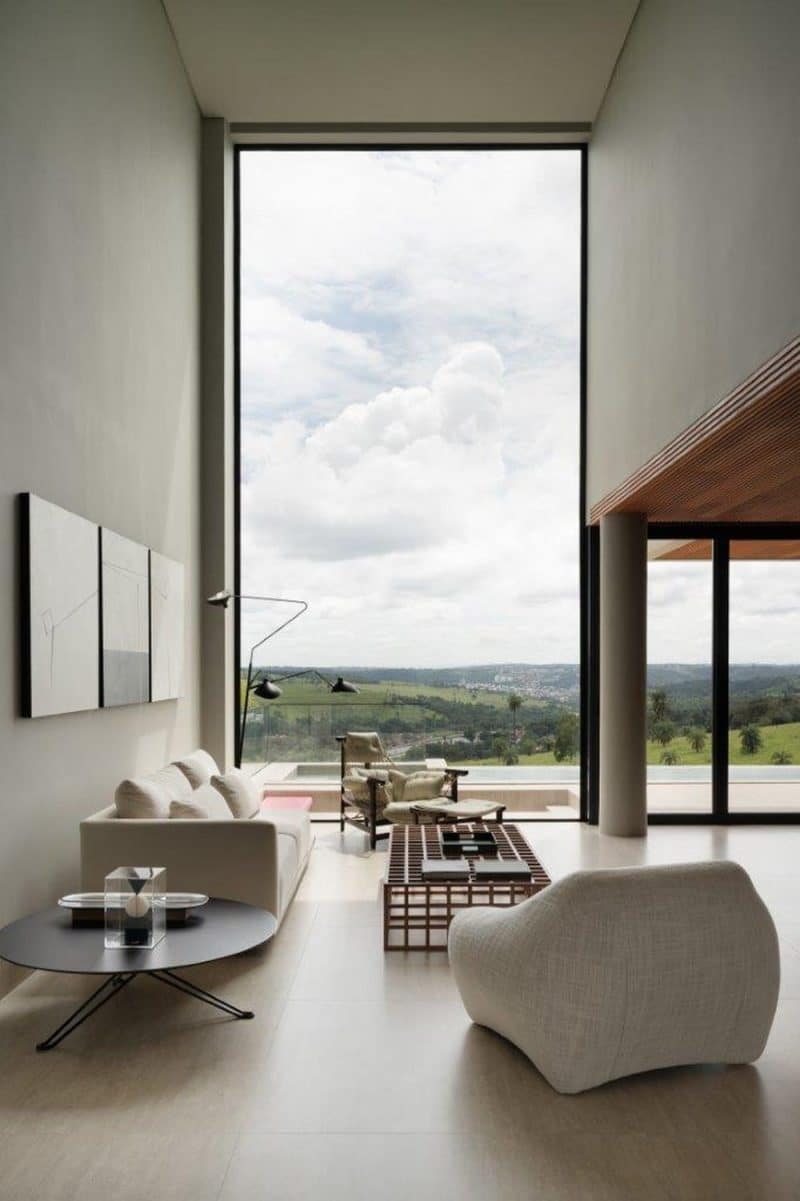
{"points": [[369, 821]]}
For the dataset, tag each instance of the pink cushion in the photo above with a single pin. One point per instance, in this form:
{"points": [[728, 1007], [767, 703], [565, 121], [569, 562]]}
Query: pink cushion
{"points": [[287, 802]]}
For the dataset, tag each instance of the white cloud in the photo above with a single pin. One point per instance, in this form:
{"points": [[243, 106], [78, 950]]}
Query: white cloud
{"points": [[410, 420]]}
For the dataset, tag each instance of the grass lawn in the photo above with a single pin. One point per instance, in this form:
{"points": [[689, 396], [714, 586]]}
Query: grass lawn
{"points": [[775, 738]]}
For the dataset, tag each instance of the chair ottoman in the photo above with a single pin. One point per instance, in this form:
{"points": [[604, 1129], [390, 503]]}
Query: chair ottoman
{"points": [[457, 811]]}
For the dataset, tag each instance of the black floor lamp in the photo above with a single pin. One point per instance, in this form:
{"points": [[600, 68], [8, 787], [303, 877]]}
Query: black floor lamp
{"points": [[267, 689]]}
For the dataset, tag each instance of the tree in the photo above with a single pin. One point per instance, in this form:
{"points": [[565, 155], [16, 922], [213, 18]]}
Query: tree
{"points": [[566, 743], [658, 704], [750, 738], [500, 747], [669, 758], [514, 704], [664, 732], [697, 739], [781, 757], [511, 757]]}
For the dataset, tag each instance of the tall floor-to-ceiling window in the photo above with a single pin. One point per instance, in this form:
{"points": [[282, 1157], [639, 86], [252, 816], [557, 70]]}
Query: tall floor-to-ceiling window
{"points": [[410, 458]]}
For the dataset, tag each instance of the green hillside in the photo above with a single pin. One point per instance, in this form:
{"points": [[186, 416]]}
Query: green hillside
{"points": [[774, 738]]}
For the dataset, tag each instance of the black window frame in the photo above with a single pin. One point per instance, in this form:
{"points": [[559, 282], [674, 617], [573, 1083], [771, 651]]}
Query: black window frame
{"points": [[588, 666], [720, 535]]}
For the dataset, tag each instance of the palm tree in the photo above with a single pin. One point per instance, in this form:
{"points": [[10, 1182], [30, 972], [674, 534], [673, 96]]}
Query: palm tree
{"points": [[697, 739], [658, 704], [514, 704], [781, 757], [670, 758], [750, 738]]}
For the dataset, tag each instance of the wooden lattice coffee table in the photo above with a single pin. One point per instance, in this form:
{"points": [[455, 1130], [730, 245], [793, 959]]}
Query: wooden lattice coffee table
{"points": [[417, 912]]}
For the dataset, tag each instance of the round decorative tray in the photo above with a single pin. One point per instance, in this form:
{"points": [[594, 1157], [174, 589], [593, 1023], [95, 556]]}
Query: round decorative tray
{"points": [[97, 900]]}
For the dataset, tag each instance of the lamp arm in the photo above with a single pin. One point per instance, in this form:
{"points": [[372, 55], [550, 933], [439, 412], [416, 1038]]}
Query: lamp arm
{"points": [[309, 671], [281, 600]]}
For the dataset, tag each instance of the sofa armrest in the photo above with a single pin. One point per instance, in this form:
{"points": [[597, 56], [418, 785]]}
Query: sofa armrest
{"points": [[224, 858]]}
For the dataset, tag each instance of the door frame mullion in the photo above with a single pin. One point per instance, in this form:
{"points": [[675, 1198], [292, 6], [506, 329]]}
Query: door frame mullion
{"points": [[720, 676]]}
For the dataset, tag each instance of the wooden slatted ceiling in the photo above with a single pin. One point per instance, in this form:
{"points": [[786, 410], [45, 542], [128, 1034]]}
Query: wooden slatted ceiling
{"points": [[738, 462], [741, 548]]}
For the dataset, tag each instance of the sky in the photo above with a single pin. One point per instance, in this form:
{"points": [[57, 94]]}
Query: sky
{"points": [[410, 404], [410, 419]]}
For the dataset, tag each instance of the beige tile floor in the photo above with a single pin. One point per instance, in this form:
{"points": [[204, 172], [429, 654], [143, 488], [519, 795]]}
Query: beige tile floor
{"points": [[361, 1076]]}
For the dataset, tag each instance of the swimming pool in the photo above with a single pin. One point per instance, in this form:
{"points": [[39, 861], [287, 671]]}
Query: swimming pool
{"points": [[567, 774]]}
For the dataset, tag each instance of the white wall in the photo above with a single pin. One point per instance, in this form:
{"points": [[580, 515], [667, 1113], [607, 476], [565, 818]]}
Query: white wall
{"points": [[694, 220], [99, 376]]}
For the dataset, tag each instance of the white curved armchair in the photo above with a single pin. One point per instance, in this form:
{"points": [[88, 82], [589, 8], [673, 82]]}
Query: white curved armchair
{"points": [[609, 973]]}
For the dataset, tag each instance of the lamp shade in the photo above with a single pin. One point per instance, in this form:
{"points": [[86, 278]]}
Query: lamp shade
{"points": [[343, 686], [267, 691]]}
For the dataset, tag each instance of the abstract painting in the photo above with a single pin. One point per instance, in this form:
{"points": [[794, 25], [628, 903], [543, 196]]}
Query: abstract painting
{"points": [[166, 628], [61, 620], [125, 599]]}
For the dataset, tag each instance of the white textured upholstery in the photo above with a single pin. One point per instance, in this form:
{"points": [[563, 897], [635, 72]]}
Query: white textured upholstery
{"points": [[293, 824], [408, 787], [260, 862], [198, 767], [187, 810], [241, 795], [150, 796], [609, 973], [212, 800], [363, 747]]}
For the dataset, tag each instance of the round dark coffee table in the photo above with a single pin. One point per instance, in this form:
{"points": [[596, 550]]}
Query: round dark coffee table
{"points": [[49, 942]]}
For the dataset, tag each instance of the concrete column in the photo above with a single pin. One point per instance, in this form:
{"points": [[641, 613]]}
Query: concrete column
{"points": [[623, 674]]}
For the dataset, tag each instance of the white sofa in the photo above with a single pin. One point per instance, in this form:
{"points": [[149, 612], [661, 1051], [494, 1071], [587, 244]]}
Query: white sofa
{"points": [[608, 973], [260, 861]]}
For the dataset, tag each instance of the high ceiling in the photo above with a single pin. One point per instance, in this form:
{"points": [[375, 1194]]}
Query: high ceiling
{"points": [[403, 61]]}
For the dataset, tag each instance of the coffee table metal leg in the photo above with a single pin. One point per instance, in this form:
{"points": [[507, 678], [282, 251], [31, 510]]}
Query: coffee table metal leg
{"points": [[108, 989], [200, 994], [113, 984]]}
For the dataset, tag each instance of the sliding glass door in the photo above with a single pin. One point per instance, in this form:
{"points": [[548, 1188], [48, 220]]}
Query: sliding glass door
{"points": [[764, 739], [724, 673], [679, 680]]}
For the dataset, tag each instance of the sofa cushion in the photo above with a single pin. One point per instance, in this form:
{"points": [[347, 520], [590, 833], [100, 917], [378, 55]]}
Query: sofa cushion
{"points": [[242, 796], [186, 810], [141, 798], [198, 768], [417, 785], [150, 796], [400, 812], [288, 865], [172, 779], [291, 823], [213, 802]]}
